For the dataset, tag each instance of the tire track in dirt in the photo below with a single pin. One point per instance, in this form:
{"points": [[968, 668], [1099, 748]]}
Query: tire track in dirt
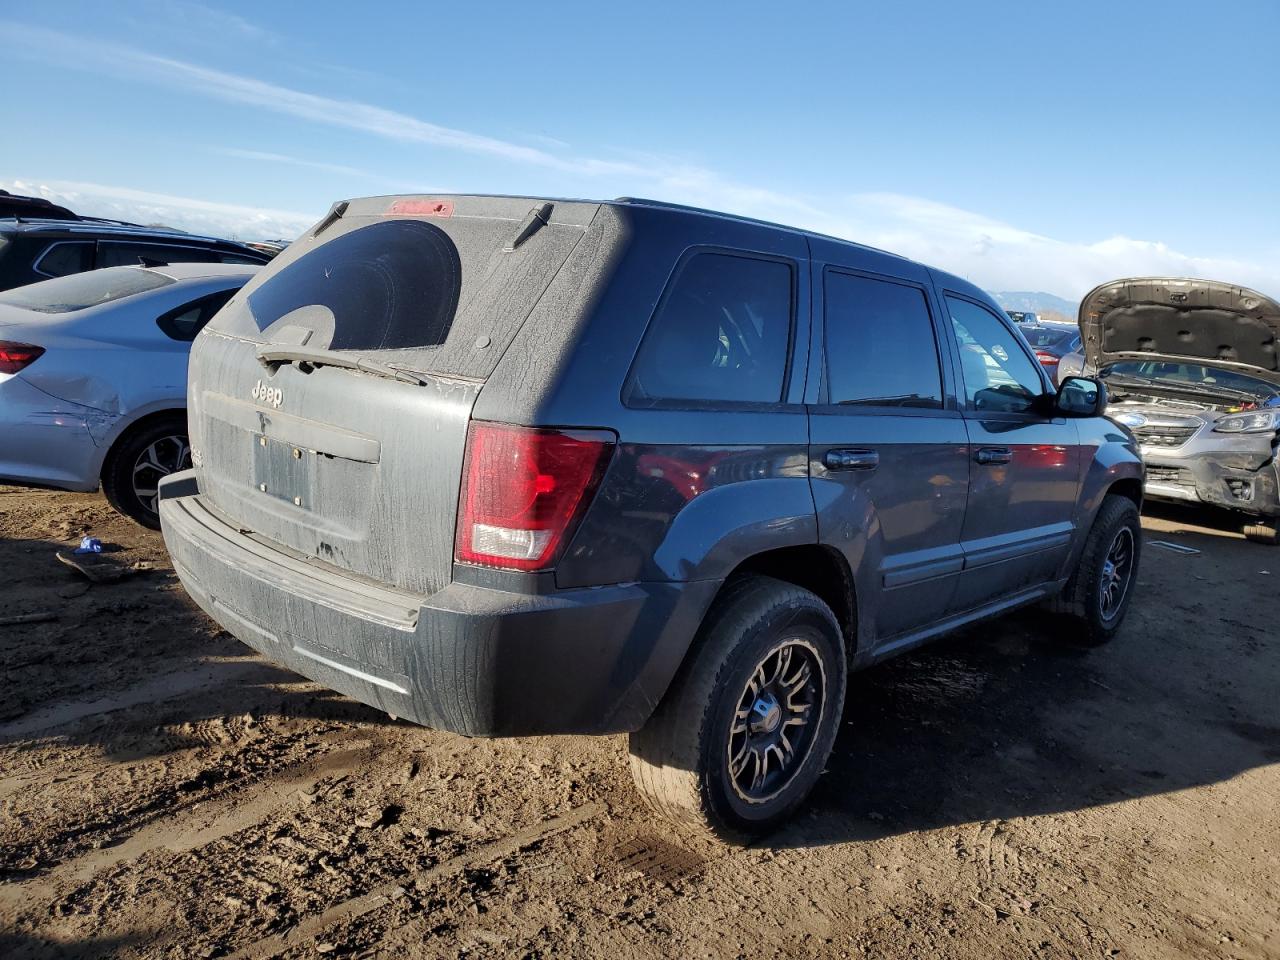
{"points": [[178, 834], [379, 897], [172, 685]]}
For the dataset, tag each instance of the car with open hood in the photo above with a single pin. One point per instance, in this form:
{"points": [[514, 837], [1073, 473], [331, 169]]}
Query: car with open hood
{"points": [[1193, 370]]}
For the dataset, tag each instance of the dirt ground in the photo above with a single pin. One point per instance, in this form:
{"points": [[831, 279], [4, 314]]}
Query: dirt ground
{"points": [[166, 793]]}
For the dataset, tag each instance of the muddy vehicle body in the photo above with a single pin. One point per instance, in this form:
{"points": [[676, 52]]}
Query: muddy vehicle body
{"points": [[1193, 370], [510, 466]]}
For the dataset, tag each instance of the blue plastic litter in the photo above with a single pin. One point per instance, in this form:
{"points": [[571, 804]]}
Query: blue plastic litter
{"points": [[89, 545]]}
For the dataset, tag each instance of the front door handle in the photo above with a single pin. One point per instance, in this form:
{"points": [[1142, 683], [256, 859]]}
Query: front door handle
{"points": [[994, 455], [851, 460]]}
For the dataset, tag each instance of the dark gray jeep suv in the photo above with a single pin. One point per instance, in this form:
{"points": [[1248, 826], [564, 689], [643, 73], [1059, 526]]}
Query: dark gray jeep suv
{"points": [[511, 466]]}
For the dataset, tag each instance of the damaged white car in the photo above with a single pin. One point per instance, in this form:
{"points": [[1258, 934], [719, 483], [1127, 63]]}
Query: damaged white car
{"points": [[1193, 370], [93, 377]]}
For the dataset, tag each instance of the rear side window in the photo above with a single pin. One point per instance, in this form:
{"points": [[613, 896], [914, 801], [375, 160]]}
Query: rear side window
{"points": [[63, 259], [121, 254], [81, 290], [722, 333], [880, 344]]}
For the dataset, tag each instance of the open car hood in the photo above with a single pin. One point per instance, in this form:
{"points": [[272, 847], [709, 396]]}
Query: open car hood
{"points": [[1176, 319]]}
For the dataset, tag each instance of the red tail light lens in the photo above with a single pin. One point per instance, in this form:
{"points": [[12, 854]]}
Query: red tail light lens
{"points": [[522, 491], [16, 356], [1048, 359]]}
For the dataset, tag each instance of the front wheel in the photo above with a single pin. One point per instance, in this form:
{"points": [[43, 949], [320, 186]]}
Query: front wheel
{"points": [[1097, 596], [746, 727]]}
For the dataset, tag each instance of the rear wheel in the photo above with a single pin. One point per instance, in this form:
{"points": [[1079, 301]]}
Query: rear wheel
{"points": [[1097, 596], [1264, 531], [745, 729], [138, 462]]}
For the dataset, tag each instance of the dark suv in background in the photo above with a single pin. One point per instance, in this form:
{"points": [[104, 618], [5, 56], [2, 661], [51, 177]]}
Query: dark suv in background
{"points": [[33, 249], [510, 466]]}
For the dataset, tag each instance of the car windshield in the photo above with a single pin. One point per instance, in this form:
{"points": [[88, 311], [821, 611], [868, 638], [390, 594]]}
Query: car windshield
{"points": [[1047, 336], [1195, 376], [82, 290]]}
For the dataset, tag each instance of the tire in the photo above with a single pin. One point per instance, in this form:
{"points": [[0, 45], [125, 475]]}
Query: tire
{"points": [[685, 758], [1264, 531], [1084, 600], [144, 454]]}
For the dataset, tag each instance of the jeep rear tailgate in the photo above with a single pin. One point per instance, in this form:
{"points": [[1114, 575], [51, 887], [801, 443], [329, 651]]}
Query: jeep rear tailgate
{"points": [[355, 461]]}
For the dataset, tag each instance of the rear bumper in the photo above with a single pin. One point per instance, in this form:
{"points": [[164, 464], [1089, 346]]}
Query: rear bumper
{"points": [[1222, 480], [468, 659]]}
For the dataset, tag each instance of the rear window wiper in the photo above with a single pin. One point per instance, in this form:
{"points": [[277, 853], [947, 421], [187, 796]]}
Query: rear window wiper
{"points": [[272, 356]]}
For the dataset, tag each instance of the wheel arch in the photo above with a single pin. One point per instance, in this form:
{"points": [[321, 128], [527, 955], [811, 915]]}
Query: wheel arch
{"points": [[124, 431], [820, 569], [1128, 487]]}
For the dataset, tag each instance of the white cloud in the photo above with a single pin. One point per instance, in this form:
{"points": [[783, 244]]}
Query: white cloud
{"points": [[268, 157], [1000, 256], [185, 213], [991, 253]]}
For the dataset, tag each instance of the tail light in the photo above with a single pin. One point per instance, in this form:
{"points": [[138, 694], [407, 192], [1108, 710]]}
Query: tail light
{"points": [[523, 490], [1048, 359], [16, 356]]}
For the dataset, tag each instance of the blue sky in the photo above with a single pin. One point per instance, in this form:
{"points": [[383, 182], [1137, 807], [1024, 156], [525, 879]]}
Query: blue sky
{"points": [[1024, 145]]}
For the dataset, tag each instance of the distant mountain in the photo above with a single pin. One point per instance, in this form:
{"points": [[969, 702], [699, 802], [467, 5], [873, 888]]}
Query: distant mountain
{"points": [[1034, 302]]}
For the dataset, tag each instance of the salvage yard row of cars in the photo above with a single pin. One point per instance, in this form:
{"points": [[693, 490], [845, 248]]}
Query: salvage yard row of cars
{"points": [[509, 466]]}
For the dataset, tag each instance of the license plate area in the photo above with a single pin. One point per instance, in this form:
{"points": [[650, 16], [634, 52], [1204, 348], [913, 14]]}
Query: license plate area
{"points": [[285, 471]]}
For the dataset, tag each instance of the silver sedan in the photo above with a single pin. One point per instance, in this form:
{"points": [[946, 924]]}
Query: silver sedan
{"points": [[93, 377]]}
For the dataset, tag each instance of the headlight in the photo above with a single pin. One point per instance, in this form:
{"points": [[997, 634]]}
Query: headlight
{"points": [[1262, 422]]}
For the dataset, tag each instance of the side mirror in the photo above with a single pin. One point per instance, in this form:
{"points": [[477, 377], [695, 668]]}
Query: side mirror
{"points": [[1081, 397]]}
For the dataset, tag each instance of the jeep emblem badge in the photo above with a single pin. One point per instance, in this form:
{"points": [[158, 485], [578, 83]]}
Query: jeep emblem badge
{"points": [[269, 396]]}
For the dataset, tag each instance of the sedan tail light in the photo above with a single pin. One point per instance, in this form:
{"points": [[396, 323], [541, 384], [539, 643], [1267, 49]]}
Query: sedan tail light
{"points": [[16, 356], [1048, 359], [523, 489]]}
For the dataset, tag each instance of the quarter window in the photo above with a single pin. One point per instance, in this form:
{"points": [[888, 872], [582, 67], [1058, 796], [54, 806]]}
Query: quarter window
{"points": [[183, 323], [721, 333], [998, 375], [881, 348]]}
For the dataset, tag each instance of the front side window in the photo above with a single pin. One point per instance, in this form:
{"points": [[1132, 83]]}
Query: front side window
{"points": [[64, 259], [722, 332], [880, 344], [999, 377]]}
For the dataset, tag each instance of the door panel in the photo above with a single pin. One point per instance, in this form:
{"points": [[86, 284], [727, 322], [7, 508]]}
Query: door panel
{"points": [[1019, 520], [898, 523]]}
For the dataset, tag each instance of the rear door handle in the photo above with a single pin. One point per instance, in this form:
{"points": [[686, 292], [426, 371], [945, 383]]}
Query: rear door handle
{"points": [[994, 455], [851, 460]]}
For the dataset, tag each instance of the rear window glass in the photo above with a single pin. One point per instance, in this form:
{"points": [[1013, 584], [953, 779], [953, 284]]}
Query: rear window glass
{"points": [[881, 346], [81, 290], [438, 297], [1047, 336], [721, 333], [390, 285], [63, 259]]}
